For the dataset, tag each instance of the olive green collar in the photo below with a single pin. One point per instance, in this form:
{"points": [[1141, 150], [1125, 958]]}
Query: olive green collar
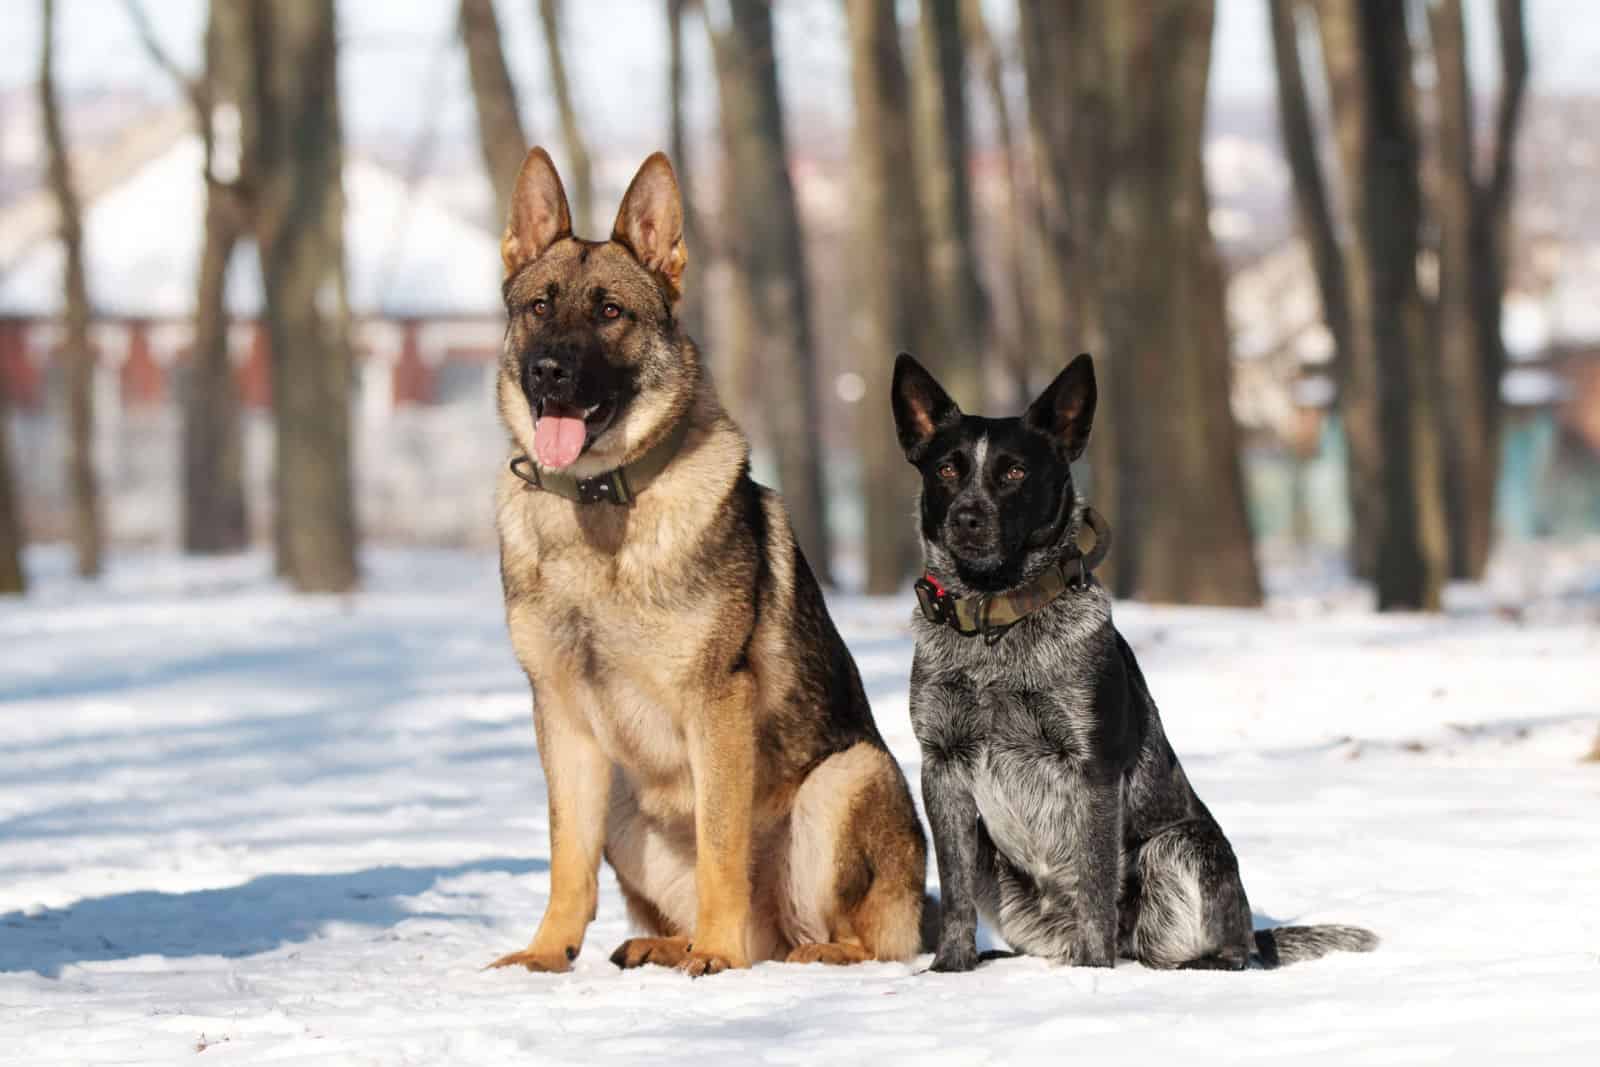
{"points": [[619, 485], [992, 614]]}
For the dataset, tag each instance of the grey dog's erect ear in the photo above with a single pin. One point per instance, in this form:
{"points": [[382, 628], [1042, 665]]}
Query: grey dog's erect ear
{"points": [[1065, 410], [921, 406]]}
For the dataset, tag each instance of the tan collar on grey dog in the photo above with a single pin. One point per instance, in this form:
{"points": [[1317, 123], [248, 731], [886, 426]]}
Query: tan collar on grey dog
{"points": [[617, 486], [993, 614]]}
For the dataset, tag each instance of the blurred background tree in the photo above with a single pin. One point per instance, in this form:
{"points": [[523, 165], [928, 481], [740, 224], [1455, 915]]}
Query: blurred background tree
{"points": [[214, 509], [289, 113], [1023, 180], [88, 537]]}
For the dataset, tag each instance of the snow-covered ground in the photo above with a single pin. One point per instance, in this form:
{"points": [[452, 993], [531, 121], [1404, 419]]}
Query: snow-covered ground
{"points": [[295, 829]]}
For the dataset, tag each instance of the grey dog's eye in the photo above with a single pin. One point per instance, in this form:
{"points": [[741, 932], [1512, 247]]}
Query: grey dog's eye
{"points": [[1015, 473], [948, 471]]}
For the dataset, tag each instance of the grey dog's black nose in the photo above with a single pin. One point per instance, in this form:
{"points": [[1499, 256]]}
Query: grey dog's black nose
{"points": [[968, 520]]}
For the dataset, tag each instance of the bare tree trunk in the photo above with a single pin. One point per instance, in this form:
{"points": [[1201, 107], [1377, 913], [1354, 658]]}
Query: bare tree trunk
{"points": [[1298, 131], [1067, 52], [1025, 329], [13, 580], [959, 298], [771, 256], [691, 307], [1194, 544], [1046, 51], [214, 510], [1387, 400], [87, 533], [500, 132], [1492, 263], [1463, 429], [891, 261], [214, 517], [291, 127], [1473, 217], [580, 184]]}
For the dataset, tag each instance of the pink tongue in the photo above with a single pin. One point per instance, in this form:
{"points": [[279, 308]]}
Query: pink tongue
{"points": [[558, 439]]}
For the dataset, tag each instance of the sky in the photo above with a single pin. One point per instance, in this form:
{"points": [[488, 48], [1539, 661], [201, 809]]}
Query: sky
{"points": [[404, 75]]}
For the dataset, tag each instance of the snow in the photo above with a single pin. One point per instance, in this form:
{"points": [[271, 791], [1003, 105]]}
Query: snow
{"points": [[295, 829]]}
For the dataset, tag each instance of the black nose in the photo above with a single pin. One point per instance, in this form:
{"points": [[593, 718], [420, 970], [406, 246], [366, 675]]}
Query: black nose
{"points": [[547, 375], [968, 520]]}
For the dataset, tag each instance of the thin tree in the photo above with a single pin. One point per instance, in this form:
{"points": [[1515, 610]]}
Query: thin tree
{"points": [[771, 257], [577, 180], [959, 297], [214, 517], [13, 580], [891, 264], [1387, 399], [1472, 213], [1067, 53], [501, 135], [1314, 212], [691, 307], [292, 135], [991, 69], [82, 481]]}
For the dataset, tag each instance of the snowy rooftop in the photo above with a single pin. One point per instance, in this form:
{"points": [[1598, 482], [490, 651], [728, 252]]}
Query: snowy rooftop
{"points": [[407, 252]]}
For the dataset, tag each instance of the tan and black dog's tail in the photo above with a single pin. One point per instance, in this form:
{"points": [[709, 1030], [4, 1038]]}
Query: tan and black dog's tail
{"points": [[1291, 944]]}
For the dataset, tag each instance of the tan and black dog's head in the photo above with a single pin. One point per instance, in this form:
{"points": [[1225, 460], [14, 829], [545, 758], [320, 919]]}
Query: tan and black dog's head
{"points": [[595, 368]]}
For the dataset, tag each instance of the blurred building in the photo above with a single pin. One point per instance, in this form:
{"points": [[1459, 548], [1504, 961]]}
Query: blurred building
{"points": [[424, 293]]}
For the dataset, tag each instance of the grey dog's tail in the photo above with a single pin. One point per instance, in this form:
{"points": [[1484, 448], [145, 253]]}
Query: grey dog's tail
{"points": [[1291, 944]]}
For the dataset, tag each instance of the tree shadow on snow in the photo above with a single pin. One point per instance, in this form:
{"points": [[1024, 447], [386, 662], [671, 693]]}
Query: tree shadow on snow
{"points": [[263, 914]]}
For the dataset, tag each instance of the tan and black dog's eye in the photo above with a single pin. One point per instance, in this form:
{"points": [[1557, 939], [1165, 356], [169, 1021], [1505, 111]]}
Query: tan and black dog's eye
{"points": [[611, 311], [948, 472], [540, 308], [1015, 473]]}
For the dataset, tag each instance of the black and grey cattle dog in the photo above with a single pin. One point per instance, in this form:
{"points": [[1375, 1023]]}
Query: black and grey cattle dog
{"points": [[1059, 811]]}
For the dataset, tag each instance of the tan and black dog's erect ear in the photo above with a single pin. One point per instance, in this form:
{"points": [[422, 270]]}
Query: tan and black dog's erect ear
{"points": [[650, 221], [921, 406], [539, 216], [1065, 410]]}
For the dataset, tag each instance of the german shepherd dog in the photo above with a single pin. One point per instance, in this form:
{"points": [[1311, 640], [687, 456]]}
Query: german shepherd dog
{"points": [[700, 721], [1059, 810]]}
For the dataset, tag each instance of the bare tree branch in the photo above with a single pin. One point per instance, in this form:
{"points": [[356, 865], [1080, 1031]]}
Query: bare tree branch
{"points": [[1514, 81], [195, 88]]}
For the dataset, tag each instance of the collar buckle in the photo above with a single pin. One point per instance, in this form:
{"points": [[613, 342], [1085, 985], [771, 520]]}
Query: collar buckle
{"points": [[934, 601], [608, 488]]}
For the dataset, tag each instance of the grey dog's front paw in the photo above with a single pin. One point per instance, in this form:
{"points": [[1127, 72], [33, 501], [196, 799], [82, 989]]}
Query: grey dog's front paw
{"points": [[1085, 953], [948, 960]]}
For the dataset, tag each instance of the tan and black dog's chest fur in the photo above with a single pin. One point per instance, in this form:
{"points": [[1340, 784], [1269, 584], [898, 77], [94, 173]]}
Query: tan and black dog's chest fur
{"points": [[641, 608]]}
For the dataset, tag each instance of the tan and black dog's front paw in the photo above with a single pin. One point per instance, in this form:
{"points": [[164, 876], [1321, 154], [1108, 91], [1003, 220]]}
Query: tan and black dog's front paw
{"points": [[662, 951], [701, 962], [830, 952], [533, 958]]}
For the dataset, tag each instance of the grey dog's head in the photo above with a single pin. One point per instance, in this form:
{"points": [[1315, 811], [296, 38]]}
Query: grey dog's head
{"points": [[997, 494]]}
